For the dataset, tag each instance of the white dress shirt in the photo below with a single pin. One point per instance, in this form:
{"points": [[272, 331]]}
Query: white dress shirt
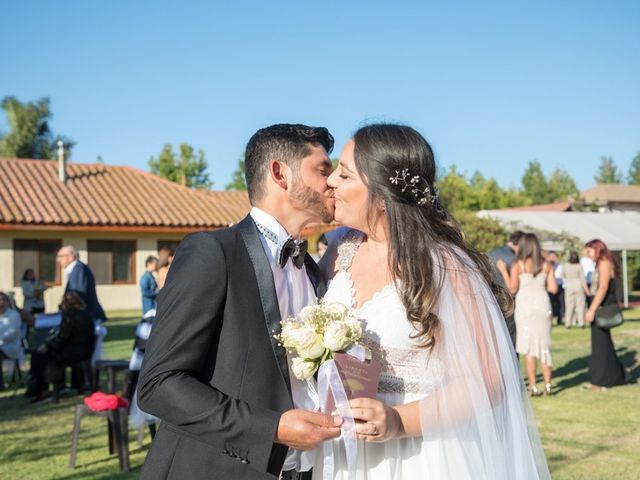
{"points": [[295, 291], [69, 268]]}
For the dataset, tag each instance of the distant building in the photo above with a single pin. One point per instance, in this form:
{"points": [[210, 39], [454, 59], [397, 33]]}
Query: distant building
{"points": [[613, 197], [114, 216]]}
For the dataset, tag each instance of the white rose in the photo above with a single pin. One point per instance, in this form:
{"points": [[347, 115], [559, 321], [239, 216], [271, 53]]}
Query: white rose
{"points": [[307, 342], [336, 310], [336, 336], [303, 369], [287, 334], [355, 327], [307, 313]]}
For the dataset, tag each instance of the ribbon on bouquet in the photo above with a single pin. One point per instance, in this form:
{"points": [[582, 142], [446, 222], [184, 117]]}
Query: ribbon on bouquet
{"points": [[329, 381]]}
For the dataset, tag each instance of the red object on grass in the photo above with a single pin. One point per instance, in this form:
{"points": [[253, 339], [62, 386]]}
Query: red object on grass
{"points": [[100, 401]]}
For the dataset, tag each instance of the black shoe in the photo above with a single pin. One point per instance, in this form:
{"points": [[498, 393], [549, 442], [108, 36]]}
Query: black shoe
{"points": [[43, 397]]}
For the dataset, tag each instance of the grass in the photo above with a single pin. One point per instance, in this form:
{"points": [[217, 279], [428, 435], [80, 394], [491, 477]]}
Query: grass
{"points": [[586, 435]]}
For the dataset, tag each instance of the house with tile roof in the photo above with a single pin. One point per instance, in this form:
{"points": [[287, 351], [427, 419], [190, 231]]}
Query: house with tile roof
{"points": [[115, 216], [613, 197]]}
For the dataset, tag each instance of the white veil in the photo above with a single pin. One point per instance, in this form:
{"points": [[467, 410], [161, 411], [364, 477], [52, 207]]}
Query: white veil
{"points": [[476, 419]]}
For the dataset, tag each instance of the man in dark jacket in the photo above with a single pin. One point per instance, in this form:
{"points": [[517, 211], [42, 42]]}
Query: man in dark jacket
{"points": [[80, 279], [507, 253], [213, 371]]}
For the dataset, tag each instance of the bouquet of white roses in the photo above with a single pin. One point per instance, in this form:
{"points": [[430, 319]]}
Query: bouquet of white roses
{"points": [[316, 334]]}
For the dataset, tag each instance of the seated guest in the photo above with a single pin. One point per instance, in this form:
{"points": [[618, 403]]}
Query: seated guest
{"points": [[10, 336], [70, 344]]}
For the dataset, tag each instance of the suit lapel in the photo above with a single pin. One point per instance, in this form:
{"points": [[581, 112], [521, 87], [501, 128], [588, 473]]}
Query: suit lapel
{"points": [[313, 272], [268, 297]]}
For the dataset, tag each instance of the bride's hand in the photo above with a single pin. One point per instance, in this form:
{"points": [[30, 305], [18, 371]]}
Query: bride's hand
{"points": [[375, 421]]}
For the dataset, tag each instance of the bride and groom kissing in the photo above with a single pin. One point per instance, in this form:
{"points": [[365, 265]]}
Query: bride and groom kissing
{"points": [[449, 402]]}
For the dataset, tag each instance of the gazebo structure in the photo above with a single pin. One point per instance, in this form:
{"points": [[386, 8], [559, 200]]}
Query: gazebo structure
{"points": [[619, 230]]}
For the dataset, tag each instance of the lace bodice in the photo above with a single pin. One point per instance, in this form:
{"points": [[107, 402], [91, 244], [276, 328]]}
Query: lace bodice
{"points": [[406, 367]]}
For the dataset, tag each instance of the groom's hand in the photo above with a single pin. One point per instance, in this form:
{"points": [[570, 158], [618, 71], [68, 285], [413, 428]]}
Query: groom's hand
{"points": [[304, 430]]}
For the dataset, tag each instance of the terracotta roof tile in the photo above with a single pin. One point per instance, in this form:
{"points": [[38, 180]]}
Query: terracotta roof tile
{"points": [[107, 195]]}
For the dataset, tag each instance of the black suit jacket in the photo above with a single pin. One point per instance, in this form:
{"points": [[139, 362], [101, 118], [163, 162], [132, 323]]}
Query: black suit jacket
{"points": [[212, 370], [81, 280]]}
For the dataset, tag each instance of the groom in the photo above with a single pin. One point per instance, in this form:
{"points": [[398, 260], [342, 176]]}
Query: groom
{"points": [[213, 371]]}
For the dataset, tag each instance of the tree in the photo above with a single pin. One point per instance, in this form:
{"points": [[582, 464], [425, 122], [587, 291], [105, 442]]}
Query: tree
{"points": [[30, 135], [534, 183], [188, 169], [608, 171], [483, 233], [561, 186], [238, 180], [634, 171], [459, 194]]}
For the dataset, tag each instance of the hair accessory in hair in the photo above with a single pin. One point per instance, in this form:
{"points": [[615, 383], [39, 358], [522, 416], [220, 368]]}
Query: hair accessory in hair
{"points": [[413, 185]]}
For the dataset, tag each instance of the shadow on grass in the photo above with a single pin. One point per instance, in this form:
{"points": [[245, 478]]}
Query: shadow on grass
{"points": [[576, 371]]}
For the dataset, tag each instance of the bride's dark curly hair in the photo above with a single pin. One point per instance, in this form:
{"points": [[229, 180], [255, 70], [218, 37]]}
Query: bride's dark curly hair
{"points": [[416, 227]]}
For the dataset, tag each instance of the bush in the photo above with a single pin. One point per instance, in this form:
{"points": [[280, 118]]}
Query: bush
{"points": [[483, 233]]}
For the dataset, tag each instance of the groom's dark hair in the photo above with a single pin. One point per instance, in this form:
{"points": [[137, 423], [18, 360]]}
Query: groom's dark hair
{"points": [[288, 143]]}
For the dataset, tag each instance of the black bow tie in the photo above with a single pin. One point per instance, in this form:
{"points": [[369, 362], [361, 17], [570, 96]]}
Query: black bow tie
{"points": [[293, 250]]}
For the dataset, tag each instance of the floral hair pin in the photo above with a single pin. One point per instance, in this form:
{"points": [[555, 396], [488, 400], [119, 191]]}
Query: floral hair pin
{"points": [[411, 184]]}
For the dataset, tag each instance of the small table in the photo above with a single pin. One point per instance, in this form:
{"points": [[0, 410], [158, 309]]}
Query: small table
{"points": [[112, 367]]}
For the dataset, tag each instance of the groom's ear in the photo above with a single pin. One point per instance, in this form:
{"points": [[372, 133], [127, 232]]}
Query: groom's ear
{"points": [[279, 174]]}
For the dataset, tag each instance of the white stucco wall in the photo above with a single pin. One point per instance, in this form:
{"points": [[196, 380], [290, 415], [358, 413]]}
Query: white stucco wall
{"points": [[111, 297]]}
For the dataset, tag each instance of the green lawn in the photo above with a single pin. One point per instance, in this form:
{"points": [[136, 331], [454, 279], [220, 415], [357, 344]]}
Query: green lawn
{"points": [[586, 435]]}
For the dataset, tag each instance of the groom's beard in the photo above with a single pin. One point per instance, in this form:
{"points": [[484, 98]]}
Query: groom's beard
{"points": [[308, 199]]}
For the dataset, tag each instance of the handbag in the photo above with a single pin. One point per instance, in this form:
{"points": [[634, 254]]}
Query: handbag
{"points": [[609, 316]]}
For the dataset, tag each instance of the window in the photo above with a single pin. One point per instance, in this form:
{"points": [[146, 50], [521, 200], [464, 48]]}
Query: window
{"points": [[40, 255], [112, 261]]}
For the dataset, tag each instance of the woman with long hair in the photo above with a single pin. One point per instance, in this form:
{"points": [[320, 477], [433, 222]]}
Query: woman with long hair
{"points": [[605, 368], [449, 402], [530, 279]]}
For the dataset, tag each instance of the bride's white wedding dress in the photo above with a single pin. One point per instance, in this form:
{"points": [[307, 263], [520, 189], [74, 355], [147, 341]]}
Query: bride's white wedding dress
{"points": [[473, 427]]}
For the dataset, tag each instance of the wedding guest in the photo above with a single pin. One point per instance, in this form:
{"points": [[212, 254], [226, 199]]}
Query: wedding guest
{"points": [[10, 336], [589, 267], [605, 368], [148, 285], [507, 253], [81, 280], [32, 291], [557, 299], [321, 245], [531, 279], [71, 343], [575, 292], [165, 257]]}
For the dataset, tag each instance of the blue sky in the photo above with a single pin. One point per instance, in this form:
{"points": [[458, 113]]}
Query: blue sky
{"points": [[491, 85]]}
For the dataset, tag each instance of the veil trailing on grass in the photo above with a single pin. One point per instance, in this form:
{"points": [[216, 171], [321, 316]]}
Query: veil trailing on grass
{"points": [[476, 419]]}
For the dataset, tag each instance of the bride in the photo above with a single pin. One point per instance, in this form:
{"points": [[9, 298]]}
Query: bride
{"points": [[450, 402]]}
